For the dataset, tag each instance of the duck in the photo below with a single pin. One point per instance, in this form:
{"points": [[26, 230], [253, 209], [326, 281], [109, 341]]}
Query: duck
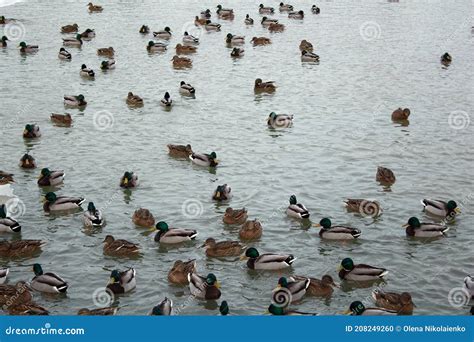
{"points": [[200, 21], [285, 7], [265, 10], [144, 29], [11, 295], [400, 302], [164, 34], [181, 62], [307, 56], [6, 178], [129, 180], [315, 9], [190, 39], [237, 52], [424, 230], [297, 210], [155, 46], [222, 192], [3, 42], [133, 99], [330, 232], [297, 289], [446, 58], [7, 225], [224, 308], [27, 309], [185, 49], [276, 27], [278, 310], [173, 235], [107, 65], [204, 159], [143, 218], [27, 161], [94, 8], [75, 100], [363, 207], [210, 26], [181, 151], [441, 208], [206, 14], [235, 216], [261, 41], [166, 101], [108, 52], [64, 54], [276, 121], [3, 274], [251, 230], [48, 177], [204, 287], [31, 131], [61, 203], [86, 72], [400, 114], [323, 287], [73, 41], [224, 13], [358, 309], [186, 89], [164, 308], [360, 272], [70, 28], [248, 20], [47, 282], [24, 48], [88, 34], [267, 261], [305, 45], [119, 247], [468, 286], [93, 217], [385, 176], [107, 311], [20, 248], [122, 282], [296, 14], [178, 274], [222, 248], [267, 21], [234, 40]]}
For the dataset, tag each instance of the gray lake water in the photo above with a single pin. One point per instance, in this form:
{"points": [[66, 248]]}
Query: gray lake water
{"points": [[375, 56]]}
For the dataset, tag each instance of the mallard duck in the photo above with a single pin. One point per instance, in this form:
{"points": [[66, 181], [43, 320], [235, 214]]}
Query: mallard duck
{"points": [[261, 41], [119, 247], [424, 230], [134, 100], [24, 48], [144, 29], [385, 176], [468, 286], [107, 65], [6, 178], [3, 274], [267, 21], [74, 101], [178, 274], [31, 131], [143, 218], [122, 282], [173, 235], [235, 216], [108, 311], [265, 10], [363, 207], [164, 308], [27, 161], [204, 288], [297, 210], [248, 20], [210, 26], [200, 21], [296, 287], [224, 13], [330, 232], [129, 180], [94, 8], [3, 42], [399, 302], [93, 216], [47, 282], [307, 56], [88, 34], [204, 159], [190, 39], [285, 7], [237, 52], [20, 248], [27, 309], [446, 58], [185, 49], [11, 295], [164, 34], [166, 101], [276, 121], [224, 308], [206, 14], [155, 46], [86, 72], [305, 45], [61, 119], [181, 151], [296, 14], [222, 248], [315, 9], [64, 54], [73, 41], [222, 192], [51, 178], [400, 114], [360, 272], [277, 310], [358, 309], [441, 208], [251, 230], [7, 224], [61, 203], [181, 62], [69, 28], [322, 288], [186, 89], [108, 52], [267, 261], [276, 27]]}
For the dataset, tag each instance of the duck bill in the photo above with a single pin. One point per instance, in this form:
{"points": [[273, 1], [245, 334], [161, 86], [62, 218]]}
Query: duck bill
{"points": [[405, 225], [336, 285], [243, 257], [339, 268], [152, 229], [111, 281], [317, 225], [218, 284], [457, 210], [347, 312]]}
